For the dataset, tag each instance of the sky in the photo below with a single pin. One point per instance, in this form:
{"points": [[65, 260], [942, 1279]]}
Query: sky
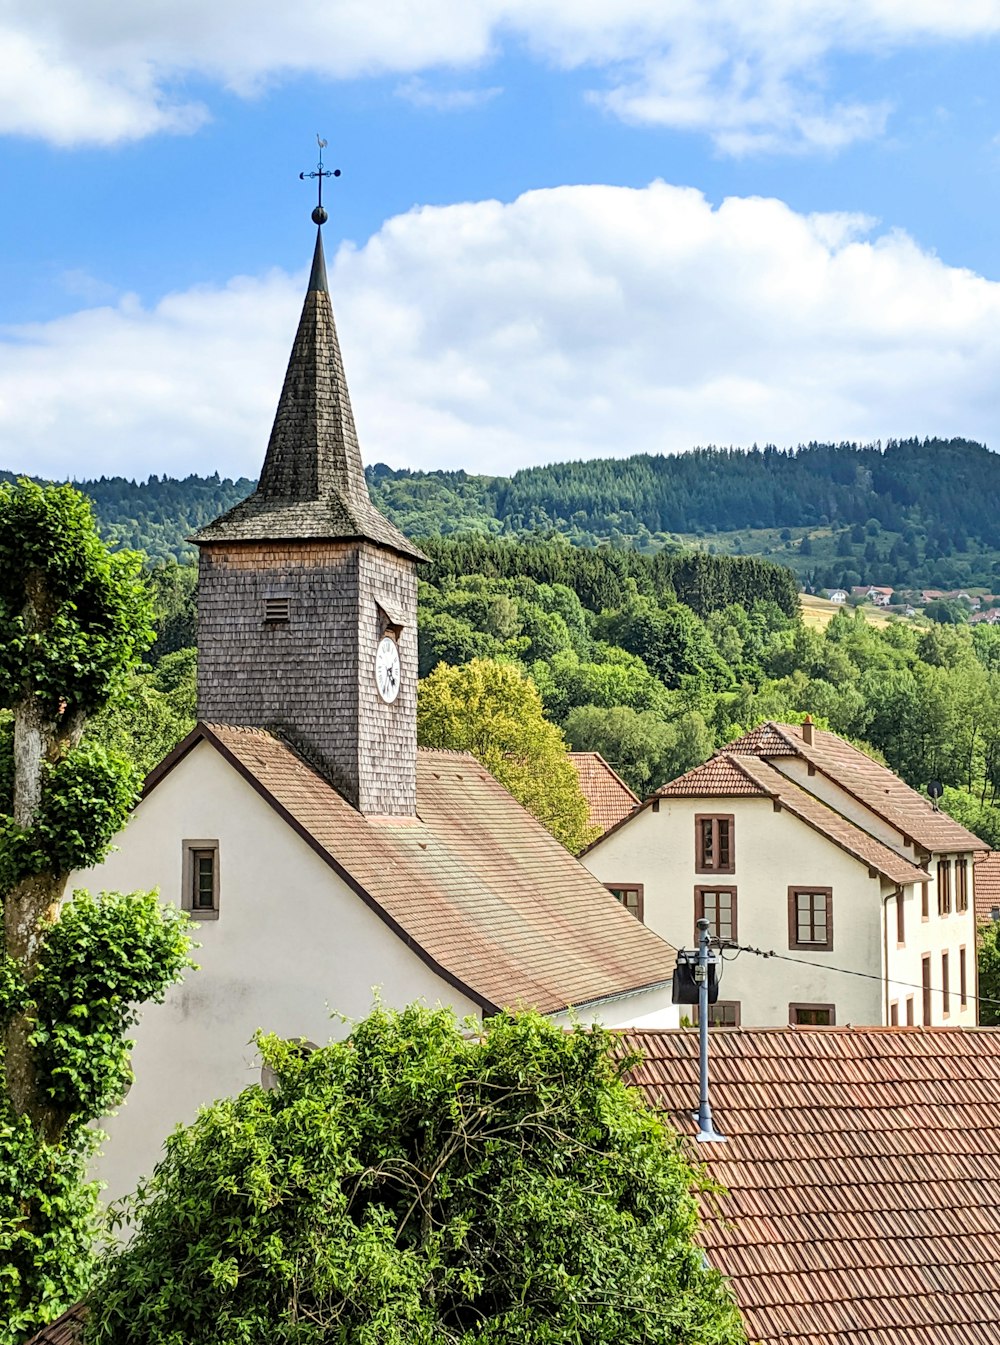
{"points": [[563, 229]]}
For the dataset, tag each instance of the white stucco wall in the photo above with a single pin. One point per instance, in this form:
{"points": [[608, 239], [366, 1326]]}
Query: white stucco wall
{"points": [[931, 937], [774, 850], [292, 946]]}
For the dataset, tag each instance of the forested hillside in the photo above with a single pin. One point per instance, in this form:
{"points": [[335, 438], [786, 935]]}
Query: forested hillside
{"points": [[656, 684], [913, 514]]}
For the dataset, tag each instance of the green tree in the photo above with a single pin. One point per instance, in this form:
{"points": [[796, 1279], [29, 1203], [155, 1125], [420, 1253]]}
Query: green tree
{"points": [[423, 1181], [989, 974], [494, 711], [73, 623]]}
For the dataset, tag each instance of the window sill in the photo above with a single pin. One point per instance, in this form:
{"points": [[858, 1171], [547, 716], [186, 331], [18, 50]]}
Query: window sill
{"points": [[202, 915]]}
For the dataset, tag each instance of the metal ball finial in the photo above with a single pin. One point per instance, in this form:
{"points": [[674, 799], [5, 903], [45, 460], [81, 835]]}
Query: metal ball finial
{"points": [[319, 215]]}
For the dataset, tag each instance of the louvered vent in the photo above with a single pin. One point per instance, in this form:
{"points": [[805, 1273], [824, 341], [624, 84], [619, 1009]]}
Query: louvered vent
{"points": [[276, 611]]}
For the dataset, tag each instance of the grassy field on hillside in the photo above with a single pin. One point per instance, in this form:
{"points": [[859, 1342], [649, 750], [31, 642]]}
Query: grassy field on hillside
{"points": [[820, 612]]}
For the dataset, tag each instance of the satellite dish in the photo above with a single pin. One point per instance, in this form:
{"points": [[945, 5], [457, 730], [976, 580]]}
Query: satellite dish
{"points": [[935, 789]]}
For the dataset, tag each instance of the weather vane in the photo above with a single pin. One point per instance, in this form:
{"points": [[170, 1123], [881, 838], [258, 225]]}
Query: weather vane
{"points": [[319, 215]]}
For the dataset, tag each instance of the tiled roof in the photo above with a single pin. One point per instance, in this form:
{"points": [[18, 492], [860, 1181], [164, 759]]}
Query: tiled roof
{"points": [[875, 785], [609, 798], [766, 740], [837, 828], [474, 884], [986, 885], [65, 1330], [861, 1176], [719, 775], [312, 484], [728, 774]]}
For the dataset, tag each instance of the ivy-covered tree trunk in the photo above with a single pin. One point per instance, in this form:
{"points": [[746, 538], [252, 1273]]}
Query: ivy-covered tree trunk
{"points": [[74, 620]]}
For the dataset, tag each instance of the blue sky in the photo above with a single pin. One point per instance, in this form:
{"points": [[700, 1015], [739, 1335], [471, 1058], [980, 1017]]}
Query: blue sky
{"points": [[560, 231]]}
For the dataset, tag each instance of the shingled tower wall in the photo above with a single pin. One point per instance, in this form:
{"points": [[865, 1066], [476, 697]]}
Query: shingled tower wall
{"points": [[299, 582]]}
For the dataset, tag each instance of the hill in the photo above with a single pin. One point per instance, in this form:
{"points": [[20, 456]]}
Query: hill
{"points": [[913, 513]]}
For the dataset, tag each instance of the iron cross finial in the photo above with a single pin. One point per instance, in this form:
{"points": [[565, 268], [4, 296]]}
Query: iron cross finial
{"points": [[319, 215]]}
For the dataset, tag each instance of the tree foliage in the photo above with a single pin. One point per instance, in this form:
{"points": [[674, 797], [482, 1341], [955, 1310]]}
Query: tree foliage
{"points": [[421, 1183], [989, 974], [494, 711], [74, 619]]}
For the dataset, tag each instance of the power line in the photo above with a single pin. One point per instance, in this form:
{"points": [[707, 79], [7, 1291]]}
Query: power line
{"points": [[724, 946]]}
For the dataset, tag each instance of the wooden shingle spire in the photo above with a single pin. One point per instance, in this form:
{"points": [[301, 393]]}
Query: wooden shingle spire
{"points": [[312, 485]]}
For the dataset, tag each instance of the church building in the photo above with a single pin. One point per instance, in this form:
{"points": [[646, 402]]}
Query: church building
{"points": [[323, 857]]}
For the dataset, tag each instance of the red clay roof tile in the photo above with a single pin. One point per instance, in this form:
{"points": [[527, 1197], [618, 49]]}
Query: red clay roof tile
{"points": [[877, 787], [474, 884], [861, 1172], [609, 798], [986, 885]]}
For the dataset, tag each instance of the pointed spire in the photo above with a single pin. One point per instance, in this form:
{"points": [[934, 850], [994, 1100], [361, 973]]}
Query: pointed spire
{"points": [[317, 276], [312, 484]]}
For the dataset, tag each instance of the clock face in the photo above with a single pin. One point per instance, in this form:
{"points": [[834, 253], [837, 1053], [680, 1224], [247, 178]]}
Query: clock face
{"points": [[387, 669]]}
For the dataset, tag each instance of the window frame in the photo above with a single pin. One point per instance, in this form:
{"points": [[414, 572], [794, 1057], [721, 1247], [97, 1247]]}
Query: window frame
{"points": [[734, 1004], [911, 1011], [944, 887], [925, 990], [700, 865], [192, 851], [803, 890], [639, 889], [961, 885], [963, 979], [795, 1008], [945, 983], [900, 918], [699, 907]]}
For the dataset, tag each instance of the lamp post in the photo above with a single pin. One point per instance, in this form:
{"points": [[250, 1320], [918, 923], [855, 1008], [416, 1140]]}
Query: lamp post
{"points": [[707, 1132]]}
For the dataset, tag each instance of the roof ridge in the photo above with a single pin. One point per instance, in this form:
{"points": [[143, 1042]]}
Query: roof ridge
{"points": [[877, 846]]}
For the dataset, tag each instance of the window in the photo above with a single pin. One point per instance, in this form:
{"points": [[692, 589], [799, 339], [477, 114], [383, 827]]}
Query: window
{"points": [[812, 1015], [894, 1013], [925, 910], [810, 917], [900, 919], [961, 884], [277, 609], [723, 1013], [200, 892], [944, 886], [910, 1015], [963, 980], [717, 905], [630, 896], [945, 986], [714, 849], [925, 980]]}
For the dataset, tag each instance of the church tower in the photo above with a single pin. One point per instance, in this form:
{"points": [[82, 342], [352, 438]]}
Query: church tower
{"points": [[307, 595]]}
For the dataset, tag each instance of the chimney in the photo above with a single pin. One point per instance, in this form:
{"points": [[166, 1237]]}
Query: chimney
{"points": [[807, 730]]}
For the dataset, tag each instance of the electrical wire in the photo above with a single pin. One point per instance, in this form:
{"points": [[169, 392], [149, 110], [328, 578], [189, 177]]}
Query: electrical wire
{"points": [[724, 946]]}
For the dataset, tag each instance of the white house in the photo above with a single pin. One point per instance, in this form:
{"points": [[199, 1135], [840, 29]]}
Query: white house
{"points": [[838, 595], [793, 842], [324, 859]]}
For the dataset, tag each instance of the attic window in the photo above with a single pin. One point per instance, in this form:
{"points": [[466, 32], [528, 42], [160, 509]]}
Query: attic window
{"points": [[200, 881], [277, 610]]}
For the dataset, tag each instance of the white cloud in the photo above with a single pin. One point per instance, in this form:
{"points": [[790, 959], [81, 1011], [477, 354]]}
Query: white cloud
{"points": [[751, 75], [419, 93], [574, 322]]}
